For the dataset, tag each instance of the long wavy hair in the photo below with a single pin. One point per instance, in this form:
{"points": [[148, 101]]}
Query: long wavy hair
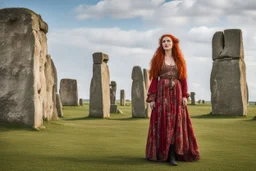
{"points": [[158, 59]]}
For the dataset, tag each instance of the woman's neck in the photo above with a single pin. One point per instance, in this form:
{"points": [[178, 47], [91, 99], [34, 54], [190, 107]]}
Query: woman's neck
{"points": [[168, 53]]}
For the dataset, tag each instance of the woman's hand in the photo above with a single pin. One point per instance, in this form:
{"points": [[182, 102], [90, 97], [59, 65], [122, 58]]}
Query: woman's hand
{"points": [[152, 105], [184, 101]]}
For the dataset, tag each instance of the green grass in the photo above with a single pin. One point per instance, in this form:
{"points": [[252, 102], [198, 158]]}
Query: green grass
{"points": [[76, 142]]}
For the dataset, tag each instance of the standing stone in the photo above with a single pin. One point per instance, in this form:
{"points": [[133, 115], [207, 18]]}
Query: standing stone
{"points": [[146, 78], [122, 98], [113, 92], [199, 101], [99, 89], [147, 83], [228, 78], [192, 95], [27, 73], [68, 92], [113, 106], [59, 105], [50, 91], [139, 105], [203, 102], [81, 102]]}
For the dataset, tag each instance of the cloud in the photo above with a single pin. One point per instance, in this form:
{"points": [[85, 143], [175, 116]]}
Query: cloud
{"points": [[172, 13], [104, 37], [117, 9], [202, 34]]}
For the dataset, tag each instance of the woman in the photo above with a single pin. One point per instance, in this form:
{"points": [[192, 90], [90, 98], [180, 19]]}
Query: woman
{"points": [[170, 134]]}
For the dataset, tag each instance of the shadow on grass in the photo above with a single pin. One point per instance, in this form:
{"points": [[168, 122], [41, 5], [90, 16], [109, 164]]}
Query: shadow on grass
{"points": [[251, 120], [10, 127], [127, 119], [109, 160], [210, 116], [94, 118], [81, 118]]}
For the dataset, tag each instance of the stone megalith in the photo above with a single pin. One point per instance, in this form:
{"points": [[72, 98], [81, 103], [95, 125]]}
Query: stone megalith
{"points": [[203, 102], [139, 105], [59, 106], [27, 73], [113, 92], [228, 76], [113, 106], [122, 98], [81, 102], [192, 95], [51, 90], [147, 83], [146, 78], [68, 92], [99, 89]]}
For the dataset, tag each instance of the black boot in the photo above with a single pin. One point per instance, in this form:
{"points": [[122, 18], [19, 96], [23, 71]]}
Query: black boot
{"points": [[172, 155]]}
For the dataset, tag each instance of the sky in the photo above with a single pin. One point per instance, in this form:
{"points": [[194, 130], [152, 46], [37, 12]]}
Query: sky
{"points": [[128, 31]]}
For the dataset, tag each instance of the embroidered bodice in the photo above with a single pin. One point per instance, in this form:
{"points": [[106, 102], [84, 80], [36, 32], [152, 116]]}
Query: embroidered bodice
{"points": [[168, 71]]}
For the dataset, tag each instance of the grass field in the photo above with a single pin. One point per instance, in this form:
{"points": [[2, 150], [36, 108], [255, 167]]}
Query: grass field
{"points": [[79, 143]]}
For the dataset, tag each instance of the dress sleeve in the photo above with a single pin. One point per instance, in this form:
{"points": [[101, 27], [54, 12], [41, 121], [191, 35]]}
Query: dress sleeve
{"points": [[151, 96], [184, 86]]}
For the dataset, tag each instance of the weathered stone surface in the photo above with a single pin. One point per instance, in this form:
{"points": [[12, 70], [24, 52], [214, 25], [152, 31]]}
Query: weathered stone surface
{"points": [[233, 44], [139, 105], [217, 44], [203, 102], [81, 102], [192, 96], [228, 88], [68, 92], [59, 106], [99, 89], [99, 58], [50, 92], [228, 78], [122, 98], [146, 78], [113, 92], [147, 83], [113, 108], [27, 73]]}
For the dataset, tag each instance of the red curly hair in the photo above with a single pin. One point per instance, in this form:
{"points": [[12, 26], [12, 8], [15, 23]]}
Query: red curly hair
{"points": [[158, 59]]}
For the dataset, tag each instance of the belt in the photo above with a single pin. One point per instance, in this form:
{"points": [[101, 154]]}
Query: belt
{"points": [[171, 78]]}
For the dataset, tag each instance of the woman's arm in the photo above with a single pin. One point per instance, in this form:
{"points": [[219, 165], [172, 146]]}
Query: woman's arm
{"points": [[184, 87], [152, 91]]}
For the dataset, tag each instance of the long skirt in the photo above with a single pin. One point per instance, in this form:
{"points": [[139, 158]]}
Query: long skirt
{"points": [[170, 123]]}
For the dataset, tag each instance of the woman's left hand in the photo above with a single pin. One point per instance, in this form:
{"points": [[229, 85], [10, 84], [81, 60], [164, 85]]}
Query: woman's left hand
{"points": [[184, 101]]}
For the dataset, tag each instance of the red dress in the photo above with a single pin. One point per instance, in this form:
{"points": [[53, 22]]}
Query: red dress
{"points": [[170, 122]]}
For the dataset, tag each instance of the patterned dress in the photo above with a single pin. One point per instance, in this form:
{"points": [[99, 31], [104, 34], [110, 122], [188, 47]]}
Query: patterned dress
{"points": [[170, 122]]}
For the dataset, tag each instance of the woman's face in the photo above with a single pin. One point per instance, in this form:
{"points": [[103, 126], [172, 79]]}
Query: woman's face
{"points": [[167, 43]]}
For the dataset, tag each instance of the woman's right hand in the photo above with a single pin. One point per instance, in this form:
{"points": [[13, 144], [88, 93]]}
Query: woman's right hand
{"points": [[152, 105]]}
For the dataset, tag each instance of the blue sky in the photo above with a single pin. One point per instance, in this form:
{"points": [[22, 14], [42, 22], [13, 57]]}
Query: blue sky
{"points": [[128, 31], [61, 14]]}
